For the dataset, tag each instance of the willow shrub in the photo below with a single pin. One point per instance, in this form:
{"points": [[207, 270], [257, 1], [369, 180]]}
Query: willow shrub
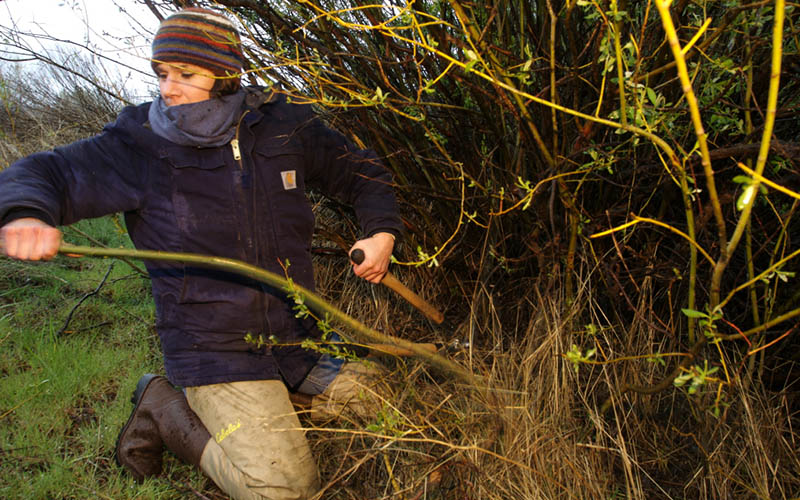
{"points": [[518, 130]]}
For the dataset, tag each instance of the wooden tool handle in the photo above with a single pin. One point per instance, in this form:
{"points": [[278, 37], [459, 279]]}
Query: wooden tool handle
{"points": [[415, 300]]}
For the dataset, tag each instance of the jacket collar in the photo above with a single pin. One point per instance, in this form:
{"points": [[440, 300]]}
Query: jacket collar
{"points": [[254, 100]]}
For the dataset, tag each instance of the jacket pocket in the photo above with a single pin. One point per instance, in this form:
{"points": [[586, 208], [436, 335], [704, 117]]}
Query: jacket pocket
{"points": [[282, 173], [203, 199], [217, 301]]}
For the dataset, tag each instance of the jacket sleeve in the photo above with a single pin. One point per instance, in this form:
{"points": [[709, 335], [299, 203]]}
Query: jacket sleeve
{"points": [[351, 175], [85, 179]]}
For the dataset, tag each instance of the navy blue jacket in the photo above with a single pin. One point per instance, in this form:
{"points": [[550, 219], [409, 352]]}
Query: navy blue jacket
{"points": [[205, 200]]}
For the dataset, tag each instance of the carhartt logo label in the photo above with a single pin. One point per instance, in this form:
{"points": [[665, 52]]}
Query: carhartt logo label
{"points": [[289, 179], [227, 431]]}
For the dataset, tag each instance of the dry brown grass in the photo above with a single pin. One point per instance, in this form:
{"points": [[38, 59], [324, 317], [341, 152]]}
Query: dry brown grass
{"points": [[538, 432]]}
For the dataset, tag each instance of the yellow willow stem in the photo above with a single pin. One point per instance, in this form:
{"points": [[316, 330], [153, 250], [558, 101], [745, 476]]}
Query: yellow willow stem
{"points": [[600, 97], [553, 90], [614, 31], [763, 152], [748, 127], [777, 187], [722, 361], [526, 200], [774, 267], [431, 259], [760, 328], [361, 332], [637, 220], [692, 296], [694, 109], [751, 273], [703, 29]]}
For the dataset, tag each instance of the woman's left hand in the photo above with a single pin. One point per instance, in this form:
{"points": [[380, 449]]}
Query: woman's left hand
{"points": [[377, 253]]}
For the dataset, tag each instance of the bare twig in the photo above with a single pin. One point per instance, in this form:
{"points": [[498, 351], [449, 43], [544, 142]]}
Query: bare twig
{"points": [[63, 329]]}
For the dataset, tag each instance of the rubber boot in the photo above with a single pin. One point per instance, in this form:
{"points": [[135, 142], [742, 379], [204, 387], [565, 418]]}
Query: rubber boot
{"points": [[160, 417]]}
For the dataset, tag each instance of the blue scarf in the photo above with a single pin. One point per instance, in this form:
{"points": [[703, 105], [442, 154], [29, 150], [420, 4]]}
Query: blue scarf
{"points": [[207, 123]]}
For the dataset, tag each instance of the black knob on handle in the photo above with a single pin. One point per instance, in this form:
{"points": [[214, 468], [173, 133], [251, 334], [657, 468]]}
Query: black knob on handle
{"points": [[357, 256]]}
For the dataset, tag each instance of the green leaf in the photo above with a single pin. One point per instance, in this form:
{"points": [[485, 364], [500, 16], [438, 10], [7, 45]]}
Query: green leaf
{"points": [[651, 94], [527, 66], [742, 179], [694, 314], [746, 197], [681, 380]]}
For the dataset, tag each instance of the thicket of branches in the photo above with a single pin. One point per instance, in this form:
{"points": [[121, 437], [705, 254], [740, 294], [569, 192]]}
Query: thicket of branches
{"points": [[45, 106], [517, 130], [607, 193], [639, 156]]}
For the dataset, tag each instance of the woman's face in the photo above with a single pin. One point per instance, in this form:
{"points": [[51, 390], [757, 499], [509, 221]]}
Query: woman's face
{"points": [[182, 83]]}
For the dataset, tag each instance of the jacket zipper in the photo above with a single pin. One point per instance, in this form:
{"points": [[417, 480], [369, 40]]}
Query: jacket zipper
{"points": [[237, 153], [237, 156]]}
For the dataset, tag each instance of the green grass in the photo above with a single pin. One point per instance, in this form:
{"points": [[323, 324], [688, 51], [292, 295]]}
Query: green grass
{"points": [[64, 396]]}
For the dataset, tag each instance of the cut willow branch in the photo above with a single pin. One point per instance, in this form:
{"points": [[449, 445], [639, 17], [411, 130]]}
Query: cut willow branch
{"points": [[362, 332]]}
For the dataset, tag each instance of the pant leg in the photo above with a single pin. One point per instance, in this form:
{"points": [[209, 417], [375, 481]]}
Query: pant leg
{"points": [[258, 449], [359, 387]]}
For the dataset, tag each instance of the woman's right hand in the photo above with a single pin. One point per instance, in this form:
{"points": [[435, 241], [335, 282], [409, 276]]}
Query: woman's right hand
{"points": [[29, 239]]}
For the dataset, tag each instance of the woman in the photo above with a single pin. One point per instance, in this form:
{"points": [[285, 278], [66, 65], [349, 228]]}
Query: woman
{"points": [[213, 168]]}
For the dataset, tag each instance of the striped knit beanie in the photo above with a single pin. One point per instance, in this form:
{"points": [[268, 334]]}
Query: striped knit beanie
{"points": [[201, 37]]}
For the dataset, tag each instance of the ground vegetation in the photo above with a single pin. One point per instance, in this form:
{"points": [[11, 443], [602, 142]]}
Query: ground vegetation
{"points": [[602, 197]]}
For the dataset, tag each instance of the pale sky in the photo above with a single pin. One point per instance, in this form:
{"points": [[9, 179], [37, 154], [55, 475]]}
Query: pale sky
{"points": [[98, 24]]}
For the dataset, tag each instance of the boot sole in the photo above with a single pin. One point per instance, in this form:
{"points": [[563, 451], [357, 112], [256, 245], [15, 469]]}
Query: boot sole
{"points": [[136, 398]]}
